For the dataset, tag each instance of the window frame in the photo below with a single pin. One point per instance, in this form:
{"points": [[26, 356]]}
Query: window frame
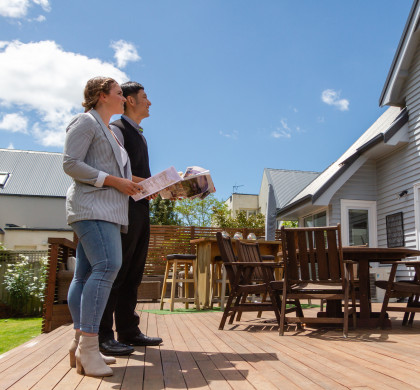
{"points": [[370, 206]]}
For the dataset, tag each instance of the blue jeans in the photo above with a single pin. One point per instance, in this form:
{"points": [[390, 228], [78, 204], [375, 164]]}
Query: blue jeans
{"points": [[98, 260]]}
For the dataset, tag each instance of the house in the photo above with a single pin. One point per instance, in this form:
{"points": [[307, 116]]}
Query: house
{"points": [[373, 189], [33, 190], [257, 203], [356, 190]]}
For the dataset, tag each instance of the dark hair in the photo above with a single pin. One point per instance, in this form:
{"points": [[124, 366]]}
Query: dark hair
{"points": [[131, 88], [93, 89]]}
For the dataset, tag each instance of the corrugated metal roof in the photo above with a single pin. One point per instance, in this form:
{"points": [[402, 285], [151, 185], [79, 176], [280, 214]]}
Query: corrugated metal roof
{"points": [[382, 124], [33, 173], [287, 183]]}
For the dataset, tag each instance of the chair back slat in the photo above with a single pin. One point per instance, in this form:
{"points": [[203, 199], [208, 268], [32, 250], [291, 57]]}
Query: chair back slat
{"points": [[250, 252], [321, 254], [228, 256], [304, 255], [334, 263], [289, 247], [312, 255]]}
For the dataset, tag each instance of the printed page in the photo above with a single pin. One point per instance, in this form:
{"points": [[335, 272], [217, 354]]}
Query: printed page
{"points": [[157, 183], [194, 171], [191, 187]]}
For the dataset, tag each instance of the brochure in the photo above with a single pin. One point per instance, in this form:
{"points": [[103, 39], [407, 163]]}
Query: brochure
{"points": [[170, 184]]}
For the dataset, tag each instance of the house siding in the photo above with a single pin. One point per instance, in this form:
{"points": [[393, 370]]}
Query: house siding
{"points": [[401, 170], [397, 172], [361, 186]]}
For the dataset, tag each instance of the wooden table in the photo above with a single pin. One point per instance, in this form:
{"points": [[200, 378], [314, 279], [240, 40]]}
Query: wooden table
{"points": [[364, 256], [208, 249]]}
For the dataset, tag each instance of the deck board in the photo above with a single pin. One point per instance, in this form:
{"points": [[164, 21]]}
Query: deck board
{"points": [[246, 355]]}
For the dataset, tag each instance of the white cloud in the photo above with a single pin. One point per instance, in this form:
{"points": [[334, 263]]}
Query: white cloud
{"points": [[19, 8], [233, 135], [41, 78], [332, 98], [16, 123], [124, 52], [279, 133], [40, 18], [284, 131], [10, 146], [284, 124]]}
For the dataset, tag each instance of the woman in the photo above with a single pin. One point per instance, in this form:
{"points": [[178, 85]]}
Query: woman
{"points": [[97, 210]]}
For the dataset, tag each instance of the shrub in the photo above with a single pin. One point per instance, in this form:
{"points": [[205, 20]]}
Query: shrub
{"points": [[22, 284]]}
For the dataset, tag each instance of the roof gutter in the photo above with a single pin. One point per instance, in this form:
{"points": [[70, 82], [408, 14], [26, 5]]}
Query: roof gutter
{"points": [[397, 54], [294, 204]]}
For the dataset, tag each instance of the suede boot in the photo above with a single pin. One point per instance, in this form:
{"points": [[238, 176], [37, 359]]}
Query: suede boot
{"points": [[72, 351], [89, 362]]}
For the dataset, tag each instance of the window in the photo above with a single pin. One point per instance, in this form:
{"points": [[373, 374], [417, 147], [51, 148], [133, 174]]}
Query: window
{"points": [[315, 220], [358, 227], [358, 222], [395, 230], [3, 178]]}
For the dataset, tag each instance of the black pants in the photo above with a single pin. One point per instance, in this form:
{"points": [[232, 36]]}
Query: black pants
{"points": [[123, 297]]}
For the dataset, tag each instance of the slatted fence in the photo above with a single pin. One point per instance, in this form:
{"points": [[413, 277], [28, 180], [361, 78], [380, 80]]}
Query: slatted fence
{"points": [[176, 239]]}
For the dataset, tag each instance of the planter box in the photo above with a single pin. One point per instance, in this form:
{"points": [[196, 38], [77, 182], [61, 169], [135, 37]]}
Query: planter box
{"points": [[149, 289]]}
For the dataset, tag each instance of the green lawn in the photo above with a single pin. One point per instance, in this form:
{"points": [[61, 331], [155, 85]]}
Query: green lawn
{"points": [[16, 331]]}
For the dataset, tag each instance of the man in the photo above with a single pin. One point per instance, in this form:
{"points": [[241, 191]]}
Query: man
{"points": [[123, 297]]}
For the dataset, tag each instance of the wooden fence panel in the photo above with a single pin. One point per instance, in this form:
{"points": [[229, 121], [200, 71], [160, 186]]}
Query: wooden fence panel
{"points": [[176, 239]]}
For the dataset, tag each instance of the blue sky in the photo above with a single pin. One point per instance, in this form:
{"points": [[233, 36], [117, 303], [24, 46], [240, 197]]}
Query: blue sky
{"points": [[236, 85]]}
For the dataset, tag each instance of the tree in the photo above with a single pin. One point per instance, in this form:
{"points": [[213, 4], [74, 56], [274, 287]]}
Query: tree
{"points": [[197, 212], [162, 212], [222, 218]]}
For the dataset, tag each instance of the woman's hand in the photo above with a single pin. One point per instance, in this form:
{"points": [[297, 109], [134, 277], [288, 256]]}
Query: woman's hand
{"points": [[125, 186]]}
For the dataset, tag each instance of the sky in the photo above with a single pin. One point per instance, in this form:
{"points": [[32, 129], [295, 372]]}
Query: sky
{"points": [[236, 86]]}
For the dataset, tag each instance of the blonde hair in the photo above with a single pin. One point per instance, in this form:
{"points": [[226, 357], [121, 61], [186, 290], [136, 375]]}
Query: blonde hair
{"points": [[93, 89]]}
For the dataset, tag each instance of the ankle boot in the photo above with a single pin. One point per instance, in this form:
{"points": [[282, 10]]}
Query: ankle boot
{"points": [[72, 351], [88, 359]]}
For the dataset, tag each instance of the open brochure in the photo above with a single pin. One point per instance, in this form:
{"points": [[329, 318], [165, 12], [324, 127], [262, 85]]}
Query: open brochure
{"points": [[195, 182]]}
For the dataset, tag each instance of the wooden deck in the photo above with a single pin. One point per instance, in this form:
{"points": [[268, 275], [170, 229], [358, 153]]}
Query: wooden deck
{"points": [[246, 355]]}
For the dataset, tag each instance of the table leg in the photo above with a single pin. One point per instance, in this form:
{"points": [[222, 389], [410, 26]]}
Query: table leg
{"points": [[364, 291], [203, 274]]}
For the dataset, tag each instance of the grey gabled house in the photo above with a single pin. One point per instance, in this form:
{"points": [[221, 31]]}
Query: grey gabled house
{"points": [[33, 190], [373, 189]]}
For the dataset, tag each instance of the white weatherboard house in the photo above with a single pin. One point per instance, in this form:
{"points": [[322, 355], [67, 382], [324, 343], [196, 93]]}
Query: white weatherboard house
{"points": [[373, 189], [33, 190]]}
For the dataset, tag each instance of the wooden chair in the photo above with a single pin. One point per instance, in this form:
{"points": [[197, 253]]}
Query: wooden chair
{"points": [[403, 289], [180, 262], [55, 311], [314, 269], [248, 252], [240, 275], [219, 281]]}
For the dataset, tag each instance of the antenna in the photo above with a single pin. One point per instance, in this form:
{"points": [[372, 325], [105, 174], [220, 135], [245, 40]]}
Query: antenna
{"points": [[235, 188]]}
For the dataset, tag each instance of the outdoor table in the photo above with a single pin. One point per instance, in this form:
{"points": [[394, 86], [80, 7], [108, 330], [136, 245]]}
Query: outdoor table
{"points": [[364, 256], [207, 249]]}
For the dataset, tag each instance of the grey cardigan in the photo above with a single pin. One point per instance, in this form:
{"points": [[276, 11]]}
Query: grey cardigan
{"points": [[90, 153]]}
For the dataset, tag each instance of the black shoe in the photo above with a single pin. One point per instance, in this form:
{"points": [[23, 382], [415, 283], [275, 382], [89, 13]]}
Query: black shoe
{"points": [[114, 348], [141, 340]]}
